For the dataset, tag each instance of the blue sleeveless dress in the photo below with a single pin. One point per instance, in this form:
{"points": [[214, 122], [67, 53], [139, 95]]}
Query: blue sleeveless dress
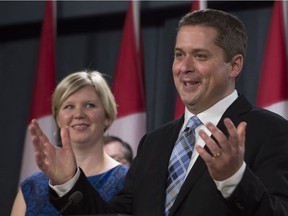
{"points": [[35, 189]]}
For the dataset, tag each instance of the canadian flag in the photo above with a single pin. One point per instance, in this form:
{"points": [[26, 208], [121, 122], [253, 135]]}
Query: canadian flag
{"points": [[44, 85], [273, 85], [128, 83], [179, 109]]}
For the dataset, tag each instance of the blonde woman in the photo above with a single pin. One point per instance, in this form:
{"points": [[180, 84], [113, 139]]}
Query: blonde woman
{"points": [[83, 103]]}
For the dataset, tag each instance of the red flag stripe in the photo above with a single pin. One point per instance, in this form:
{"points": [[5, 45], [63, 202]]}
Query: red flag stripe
{"points": [[273, 85], [44, 82], [128, 85], [285, 13], [44, 85]]}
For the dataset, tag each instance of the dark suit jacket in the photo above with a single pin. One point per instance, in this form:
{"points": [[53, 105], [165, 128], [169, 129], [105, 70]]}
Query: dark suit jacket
{"points": [[263, 190]]}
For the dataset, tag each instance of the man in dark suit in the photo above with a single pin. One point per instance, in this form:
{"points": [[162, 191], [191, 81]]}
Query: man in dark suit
{"points": [[238, 167]]}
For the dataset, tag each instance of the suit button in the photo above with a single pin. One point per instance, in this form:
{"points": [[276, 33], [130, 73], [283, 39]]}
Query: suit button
{"points": [[238, 204]]}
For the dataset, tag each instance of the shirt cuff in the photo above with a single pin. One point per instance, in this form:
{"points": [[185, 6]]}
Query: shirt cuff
{"points": [[62, 189], [227, 186]]}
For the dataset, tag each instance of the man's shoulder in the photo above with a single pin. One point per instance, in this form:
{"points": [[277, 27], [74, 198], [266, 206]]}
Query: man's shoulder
{"points": [[265, 116], [168, 126]]}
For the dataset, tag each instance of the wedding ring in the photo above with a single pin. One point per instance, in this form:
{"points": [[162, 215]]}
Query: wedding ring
{"points": [[218, 154]]}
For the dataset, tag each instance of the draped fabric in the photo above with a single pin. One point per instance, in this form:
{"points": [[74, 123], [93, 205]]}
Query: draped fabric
{"points": [[44, 84], [273, 85], [128, 82]]}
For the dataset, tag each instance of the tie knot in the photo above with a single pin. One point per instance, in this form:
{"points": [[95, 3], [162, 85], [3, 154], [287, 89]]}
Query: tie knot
{"points": [[193, 123]]}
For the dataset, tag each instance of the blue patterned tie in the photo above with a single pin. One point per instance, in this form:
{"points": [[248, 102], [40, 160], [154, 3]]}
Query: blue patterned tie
{"points": [[179, 161]]}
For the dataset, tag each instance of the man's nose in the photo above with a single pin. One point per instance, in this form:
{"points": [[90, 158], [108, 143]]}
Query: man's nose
{"points": [[188, 64]]}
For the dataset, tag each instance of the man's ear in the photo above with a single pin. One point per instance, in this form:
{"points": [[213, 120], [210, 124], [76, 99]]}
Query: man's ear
{"points": [[237, 65]]}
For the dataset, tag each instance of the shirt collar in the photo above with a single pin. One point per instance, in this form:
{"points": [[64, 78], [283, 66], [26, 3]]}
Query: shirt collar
{"points": [[214, 113]]}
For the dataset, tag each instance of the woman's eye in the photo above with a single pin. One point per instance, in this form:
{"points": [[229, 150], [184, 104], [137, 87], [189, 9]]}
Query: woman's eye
{"points": [[91, 105], [68, 107]]}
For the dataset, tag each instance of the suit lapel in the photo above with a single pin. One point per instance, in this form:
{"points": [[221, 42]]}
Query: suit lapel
{"points": [[234, 112], [166, 145]]}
